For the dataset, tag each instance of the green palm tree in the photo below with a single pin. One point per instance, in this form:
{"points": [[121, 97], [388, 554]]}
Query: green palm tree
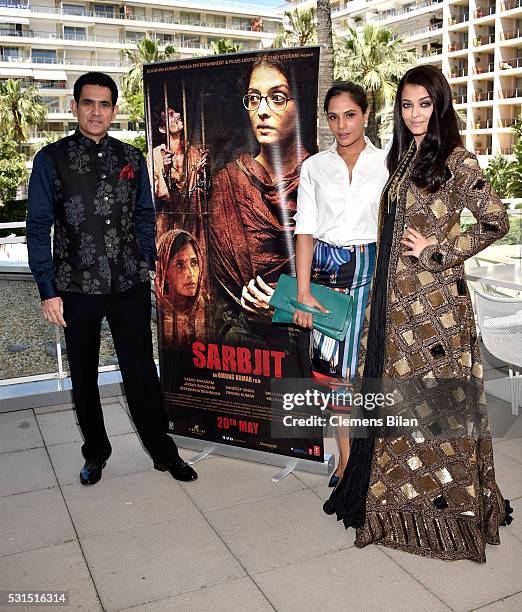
{"points": [[326, 66], [375, 58], [500, 173], [297, 30], [20, 109], [223, 46], [147, 52]]}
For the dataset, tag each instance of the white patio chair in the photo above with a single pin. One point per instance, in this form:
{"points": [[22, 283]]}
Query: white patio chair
{"points": [[500, 322]]}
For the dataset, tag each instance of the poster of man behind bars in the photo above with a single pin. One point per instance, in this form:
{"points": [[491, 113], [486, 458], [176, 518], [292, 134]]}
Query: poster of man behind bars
{"points": [[226, 138]]}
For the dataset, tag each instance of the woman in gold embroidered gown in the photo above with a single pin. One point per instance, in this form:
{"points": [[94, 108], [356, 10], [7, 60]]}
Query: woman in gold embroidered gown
{"points": [[432, 495]]}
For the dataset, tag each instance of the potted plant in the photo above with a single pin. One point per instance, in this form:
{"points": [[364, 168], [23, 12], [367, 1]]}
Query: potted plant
{"points": [[452, 47]]}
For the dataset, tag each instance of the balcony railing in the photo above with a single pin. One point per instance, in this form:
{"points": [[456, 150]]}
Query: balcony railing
{"points": [[457, 46], [101, 39], [509, 5], [484, 11], [16, 4], [431, 52], [507, 123], [462, 18], [510, 34], [482, 96], [510, 93], [506, 150], [404, 11], [482, 124], [509, 64], [255, 25], [456, 73], [10, 32], [67, 61], [485, 39], [43, 84], [460, 98], [490, 67], [482, 150], [35, 135], [50, 84], [192, 45], [430, 28]]}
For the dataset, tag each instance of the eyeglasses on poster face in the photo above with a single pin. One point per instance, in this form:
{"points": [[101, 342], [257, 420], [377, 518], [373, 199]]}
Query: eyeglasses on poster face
{"points": [[276, 101]]}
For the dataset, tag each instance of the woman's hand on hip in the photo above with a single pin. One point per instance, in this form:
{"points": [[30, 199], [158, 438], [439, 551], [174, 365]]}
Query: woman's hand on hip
{"points": [[415, 242]]}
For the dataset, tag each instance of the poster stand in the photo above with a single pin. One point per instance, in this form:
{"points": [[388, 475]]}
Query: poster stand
{"points": [[206, 448]]}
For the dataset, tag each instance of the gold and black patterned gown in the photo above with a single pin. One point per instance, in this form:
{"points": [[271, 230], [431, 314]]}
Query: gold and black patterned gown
{"points": [[436, 496]]}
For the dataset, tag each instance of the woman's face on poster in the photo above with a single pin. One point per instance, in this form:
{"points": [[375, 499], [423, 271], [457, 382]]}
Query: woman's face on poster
{"points": [[274, 121], [183, 272]]}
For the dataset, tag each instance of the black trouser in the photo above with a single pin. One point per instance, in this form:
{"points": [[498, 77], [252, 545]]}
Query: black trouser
{"points": [[128, 314]]}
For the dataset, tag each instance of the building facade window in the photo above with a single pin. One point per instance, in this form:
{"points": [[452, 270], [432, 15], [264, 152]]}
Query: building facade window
{"points": [[10, 53], [74, 33], [43, 56], [104, 10], [74, 9]]}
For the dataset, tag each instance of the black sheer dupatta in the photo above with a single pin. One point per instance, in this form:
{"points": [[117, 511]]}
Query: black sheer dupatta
{"points": [[348, 500]]}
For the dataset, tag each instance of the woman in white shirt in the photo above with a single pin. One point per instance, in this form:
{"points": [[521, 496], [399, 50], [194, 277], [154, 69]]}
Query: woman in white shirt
{"points": [[336, 228]]}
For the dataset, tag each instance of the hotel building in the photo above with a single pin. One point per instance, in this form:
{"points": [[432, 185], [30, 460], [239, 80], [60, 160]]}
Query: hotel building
{"points": [[50, 43], [476, 43]]}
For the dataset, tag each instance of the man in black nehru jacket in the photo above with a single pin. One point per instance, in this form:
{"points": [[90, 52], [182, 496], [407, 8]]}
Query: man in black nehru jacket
{"points": [[95, 190]]}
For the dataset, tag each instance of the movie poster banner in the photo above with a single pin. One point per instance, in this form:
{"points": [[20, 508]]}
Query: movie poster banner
{"points": [[226, 138]]}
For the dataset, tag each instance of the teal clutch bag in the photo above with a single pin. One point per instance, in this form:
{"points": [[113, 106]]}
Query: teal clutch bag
{"points": [[334, 324]]}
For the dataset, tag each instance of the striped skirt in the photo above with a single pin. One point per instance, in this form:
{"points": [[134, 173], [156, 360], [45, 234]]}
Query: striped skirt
{"points": [[350, 270]]}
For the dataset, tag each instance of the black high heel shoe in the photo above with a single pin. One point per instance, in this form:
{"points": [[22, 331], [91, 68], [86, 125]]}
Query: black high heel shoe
{"points": [[329, 507], [334, 480]]}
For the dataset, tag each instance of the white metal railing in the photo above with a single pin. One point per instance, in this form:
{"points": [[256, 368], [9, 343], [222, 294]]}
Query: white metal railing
{"points": [[19, 267], [405, 11], [12, 239], [129, 16], [13, 4], [484, 11], [511, 62], [67, 61], [430, 28]]}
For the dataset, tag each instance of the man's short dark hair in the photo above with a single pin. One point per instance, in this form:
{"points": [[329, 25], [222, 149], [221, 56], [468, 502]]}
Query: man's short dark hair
{"points": [[95, 78]]}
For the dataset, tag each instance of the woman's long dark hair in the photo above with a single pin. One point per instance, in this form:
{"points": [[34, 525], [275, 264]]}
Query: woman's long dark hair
{"points": [[443, 130]]}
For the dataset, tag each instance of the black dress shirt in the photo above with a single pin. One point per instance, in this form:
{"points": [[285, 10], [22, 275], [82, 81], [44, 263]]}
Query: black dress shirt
{"points": [[98, 198]]}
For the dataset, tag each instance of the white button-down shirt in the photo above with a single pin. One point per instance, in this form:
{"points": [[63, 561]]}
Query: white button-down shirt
{"points": [[332, 208]]}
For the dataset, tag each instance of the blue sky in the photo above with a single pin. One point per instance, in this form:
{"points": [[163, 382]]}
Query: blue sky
{"points": [[263, 2]]}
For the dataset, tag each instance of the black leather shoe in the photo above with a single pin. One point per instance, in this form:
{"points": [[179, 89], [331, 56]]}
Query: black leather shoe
{"points": [[178, 470], [92, 471]]}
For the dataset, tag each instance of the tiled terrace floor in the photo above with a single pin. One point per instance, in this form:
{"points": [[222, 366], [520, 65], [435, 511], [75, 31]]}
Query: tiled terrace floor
{"points": [[232, 541]]}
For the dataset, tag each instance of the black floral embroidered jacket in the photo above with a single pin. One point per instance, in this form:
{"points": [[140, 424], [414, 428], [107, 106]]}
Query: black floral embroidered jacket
{"points": [[98, 198]]}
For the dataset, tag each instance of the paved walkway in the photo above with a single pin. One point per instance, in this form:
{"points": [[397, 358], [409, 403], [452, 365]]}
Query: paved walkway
{"points": [[232, 541]]}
